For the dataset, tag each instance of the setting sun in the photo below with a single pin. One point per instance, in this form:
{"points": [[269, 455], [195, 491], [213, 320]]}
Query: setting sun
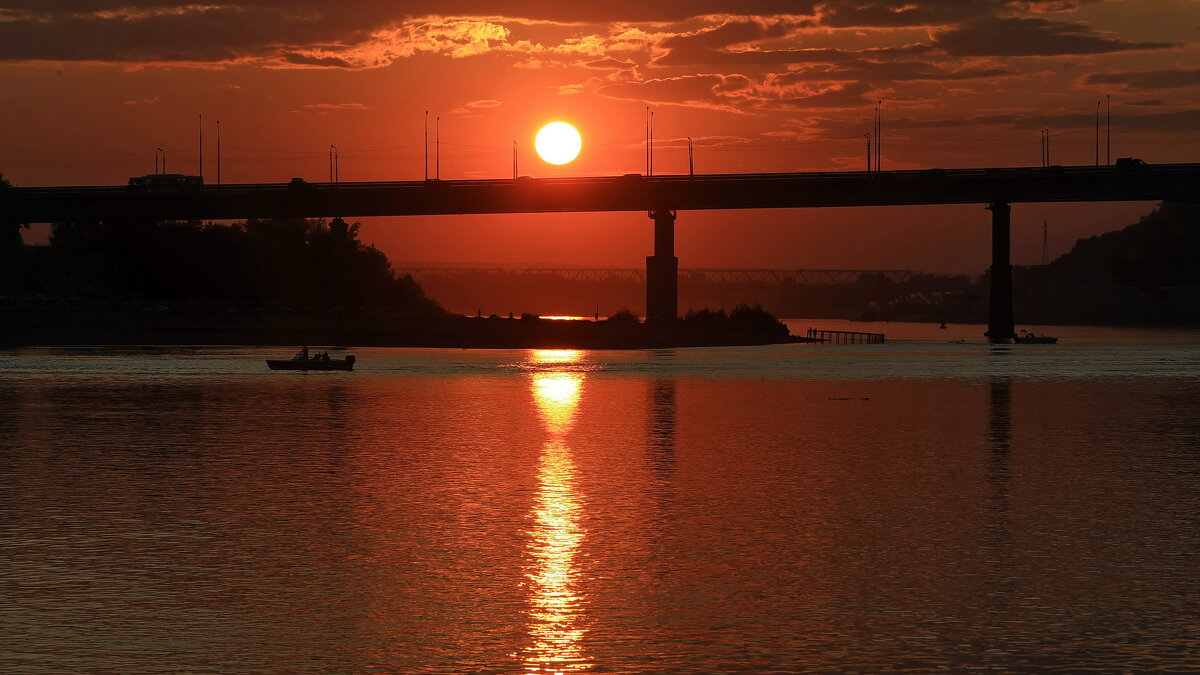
{"points": [[558, 143]]}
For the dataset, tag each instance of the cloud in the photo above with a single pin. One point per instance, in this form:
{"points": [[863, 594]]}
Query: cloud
{"points": [[853, 127], [733, 31], [1148, 79], [608, 62], [164, 37], [185, 31], [1030, 122], [904, 13], [377, 33], [382, 11], [690, 90], [335, 106], [737, 93], [775, 57], [315, 61], [472, 108], [570, 89], [1032, 37], [895, 13], [1180, 120], [897, 71], [843, 95]]}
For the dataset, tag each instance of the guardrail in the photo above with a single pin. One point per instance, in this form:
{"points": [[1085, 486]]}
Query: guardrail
{"points": [[846, 337]]}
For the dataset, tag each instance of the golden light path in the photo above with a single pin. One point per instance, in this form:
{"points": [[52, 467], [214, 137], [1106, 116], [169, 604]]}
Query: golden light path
{"points": [[555, 611], [558, 143]]}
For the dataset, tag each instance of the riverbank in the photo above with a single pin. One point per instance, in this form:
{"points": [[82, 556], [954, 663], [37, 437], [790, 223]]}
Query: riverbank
{"points": [[53, 328]]}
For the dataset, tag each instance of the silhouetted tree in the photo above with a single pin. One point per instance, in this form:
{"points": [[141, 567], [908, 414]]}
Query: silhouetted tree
{"points": [[1158, 251], [742, 318], [624, 316], [10, 248], [294, 262]]}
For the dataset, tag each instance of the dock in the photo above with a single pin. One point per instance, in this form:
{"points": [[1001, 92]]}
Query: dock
{"points": [[846, 337]]}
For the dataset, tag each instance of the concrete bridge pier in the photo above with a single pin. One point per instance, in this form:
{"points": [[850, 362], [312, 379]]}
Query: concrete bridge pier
{"points": [[1000, 308], [662, 270]]}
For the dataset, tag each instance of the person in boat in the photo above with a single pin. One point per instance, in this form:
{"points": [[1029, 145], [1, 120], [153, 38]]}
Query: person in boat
{"points": [[303, 355]]}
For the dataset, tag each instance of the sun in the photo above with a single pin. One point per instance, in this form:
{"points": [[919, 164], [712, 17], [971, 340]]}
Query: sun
{"points": [[558, 143]]}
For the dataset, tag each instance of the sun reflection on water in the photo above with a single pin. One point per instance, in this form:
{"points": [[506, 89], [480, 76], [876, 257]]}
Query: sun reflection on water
{"points": [[555, 603]]}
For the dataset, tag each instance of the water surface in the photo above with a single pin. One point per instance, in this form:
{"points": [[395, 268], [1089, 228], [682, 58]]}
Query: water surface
{"points": [[922, 505]]}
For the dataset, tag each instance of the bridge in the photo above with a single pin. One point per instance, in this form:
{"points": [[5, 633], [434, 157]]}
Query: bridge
{"points": [[661, 197], [800, 277]]}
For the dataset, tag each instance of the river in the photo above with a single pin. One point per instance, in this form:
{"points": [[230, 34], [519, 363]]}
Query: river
{"points": [[923, 505]]}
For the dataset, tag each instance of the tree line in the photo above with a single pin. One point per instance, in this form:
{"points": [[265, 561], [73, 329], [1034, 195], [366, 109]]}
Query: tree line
{"points": [[275, 262]]}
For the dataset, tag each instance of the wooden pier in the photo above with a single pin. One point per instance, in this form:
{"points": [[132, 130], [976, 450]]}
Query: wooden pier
{"points": [[846, 337]]}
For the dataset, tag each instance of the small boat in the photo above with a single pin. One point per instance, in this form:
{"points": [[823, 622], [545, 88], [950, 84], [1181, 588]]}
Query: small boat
{"points": [[302, 361], [1029, 338]]}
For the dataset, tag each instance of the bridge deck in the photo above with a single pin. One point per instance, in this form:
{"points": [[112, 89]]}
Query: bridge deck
{"points": [[609, 193], [822, 277]]}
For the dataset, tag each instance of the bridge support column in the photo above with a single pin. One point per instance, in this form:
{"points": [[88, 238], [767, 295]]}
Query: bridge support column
{"points": [[662, 270], [1000, 308]]}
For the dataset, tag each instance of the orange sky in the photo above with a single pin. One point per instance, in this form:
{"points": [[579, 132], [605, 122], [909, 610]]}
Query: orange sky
{"points": [[91, 87]]}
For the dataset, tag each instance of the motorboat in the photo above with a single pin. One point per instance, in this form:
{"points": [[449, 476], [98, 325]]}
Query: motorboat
{"points": [[1030, 338], [303, 361]]}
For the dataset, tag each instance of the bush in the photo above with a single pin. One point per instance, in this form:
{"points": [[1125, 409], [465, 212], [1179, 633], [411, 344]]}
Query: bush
{"points": [[624, 316], [742, 319]]}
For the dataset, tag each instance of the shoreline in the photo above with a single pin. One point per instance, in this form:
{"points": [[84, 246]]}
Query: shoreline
{"points": [[55, 329]]}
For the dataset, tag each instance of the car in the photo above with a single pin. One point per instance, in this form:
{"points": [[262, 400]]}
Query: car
{"points": [[1131, 163], [165, 182]]}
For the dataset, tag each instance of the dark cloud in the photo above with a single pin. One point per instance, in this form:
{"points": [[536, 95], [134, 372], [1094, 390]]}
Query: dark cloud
{"points": [[202, 35], [1148, 79], [897, 127], [731, 32], [900, 13], [316, 61], [896, 71], [1181, 120], [774, 57], [738, 93], [836, 13], [316, 32], [851, 127], [372, 13], [693, 90], [1032, 37], [892, 13], [223, 30], [846, 95]]}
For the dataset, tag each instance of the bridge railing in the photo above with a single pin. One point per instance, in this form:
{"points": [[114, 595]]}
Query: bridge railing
{"points": [[846, 337]]}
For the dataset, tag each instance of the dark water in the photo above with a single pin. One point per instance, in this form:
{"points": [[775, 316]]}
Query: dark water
{"points": [[917, 506]]}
